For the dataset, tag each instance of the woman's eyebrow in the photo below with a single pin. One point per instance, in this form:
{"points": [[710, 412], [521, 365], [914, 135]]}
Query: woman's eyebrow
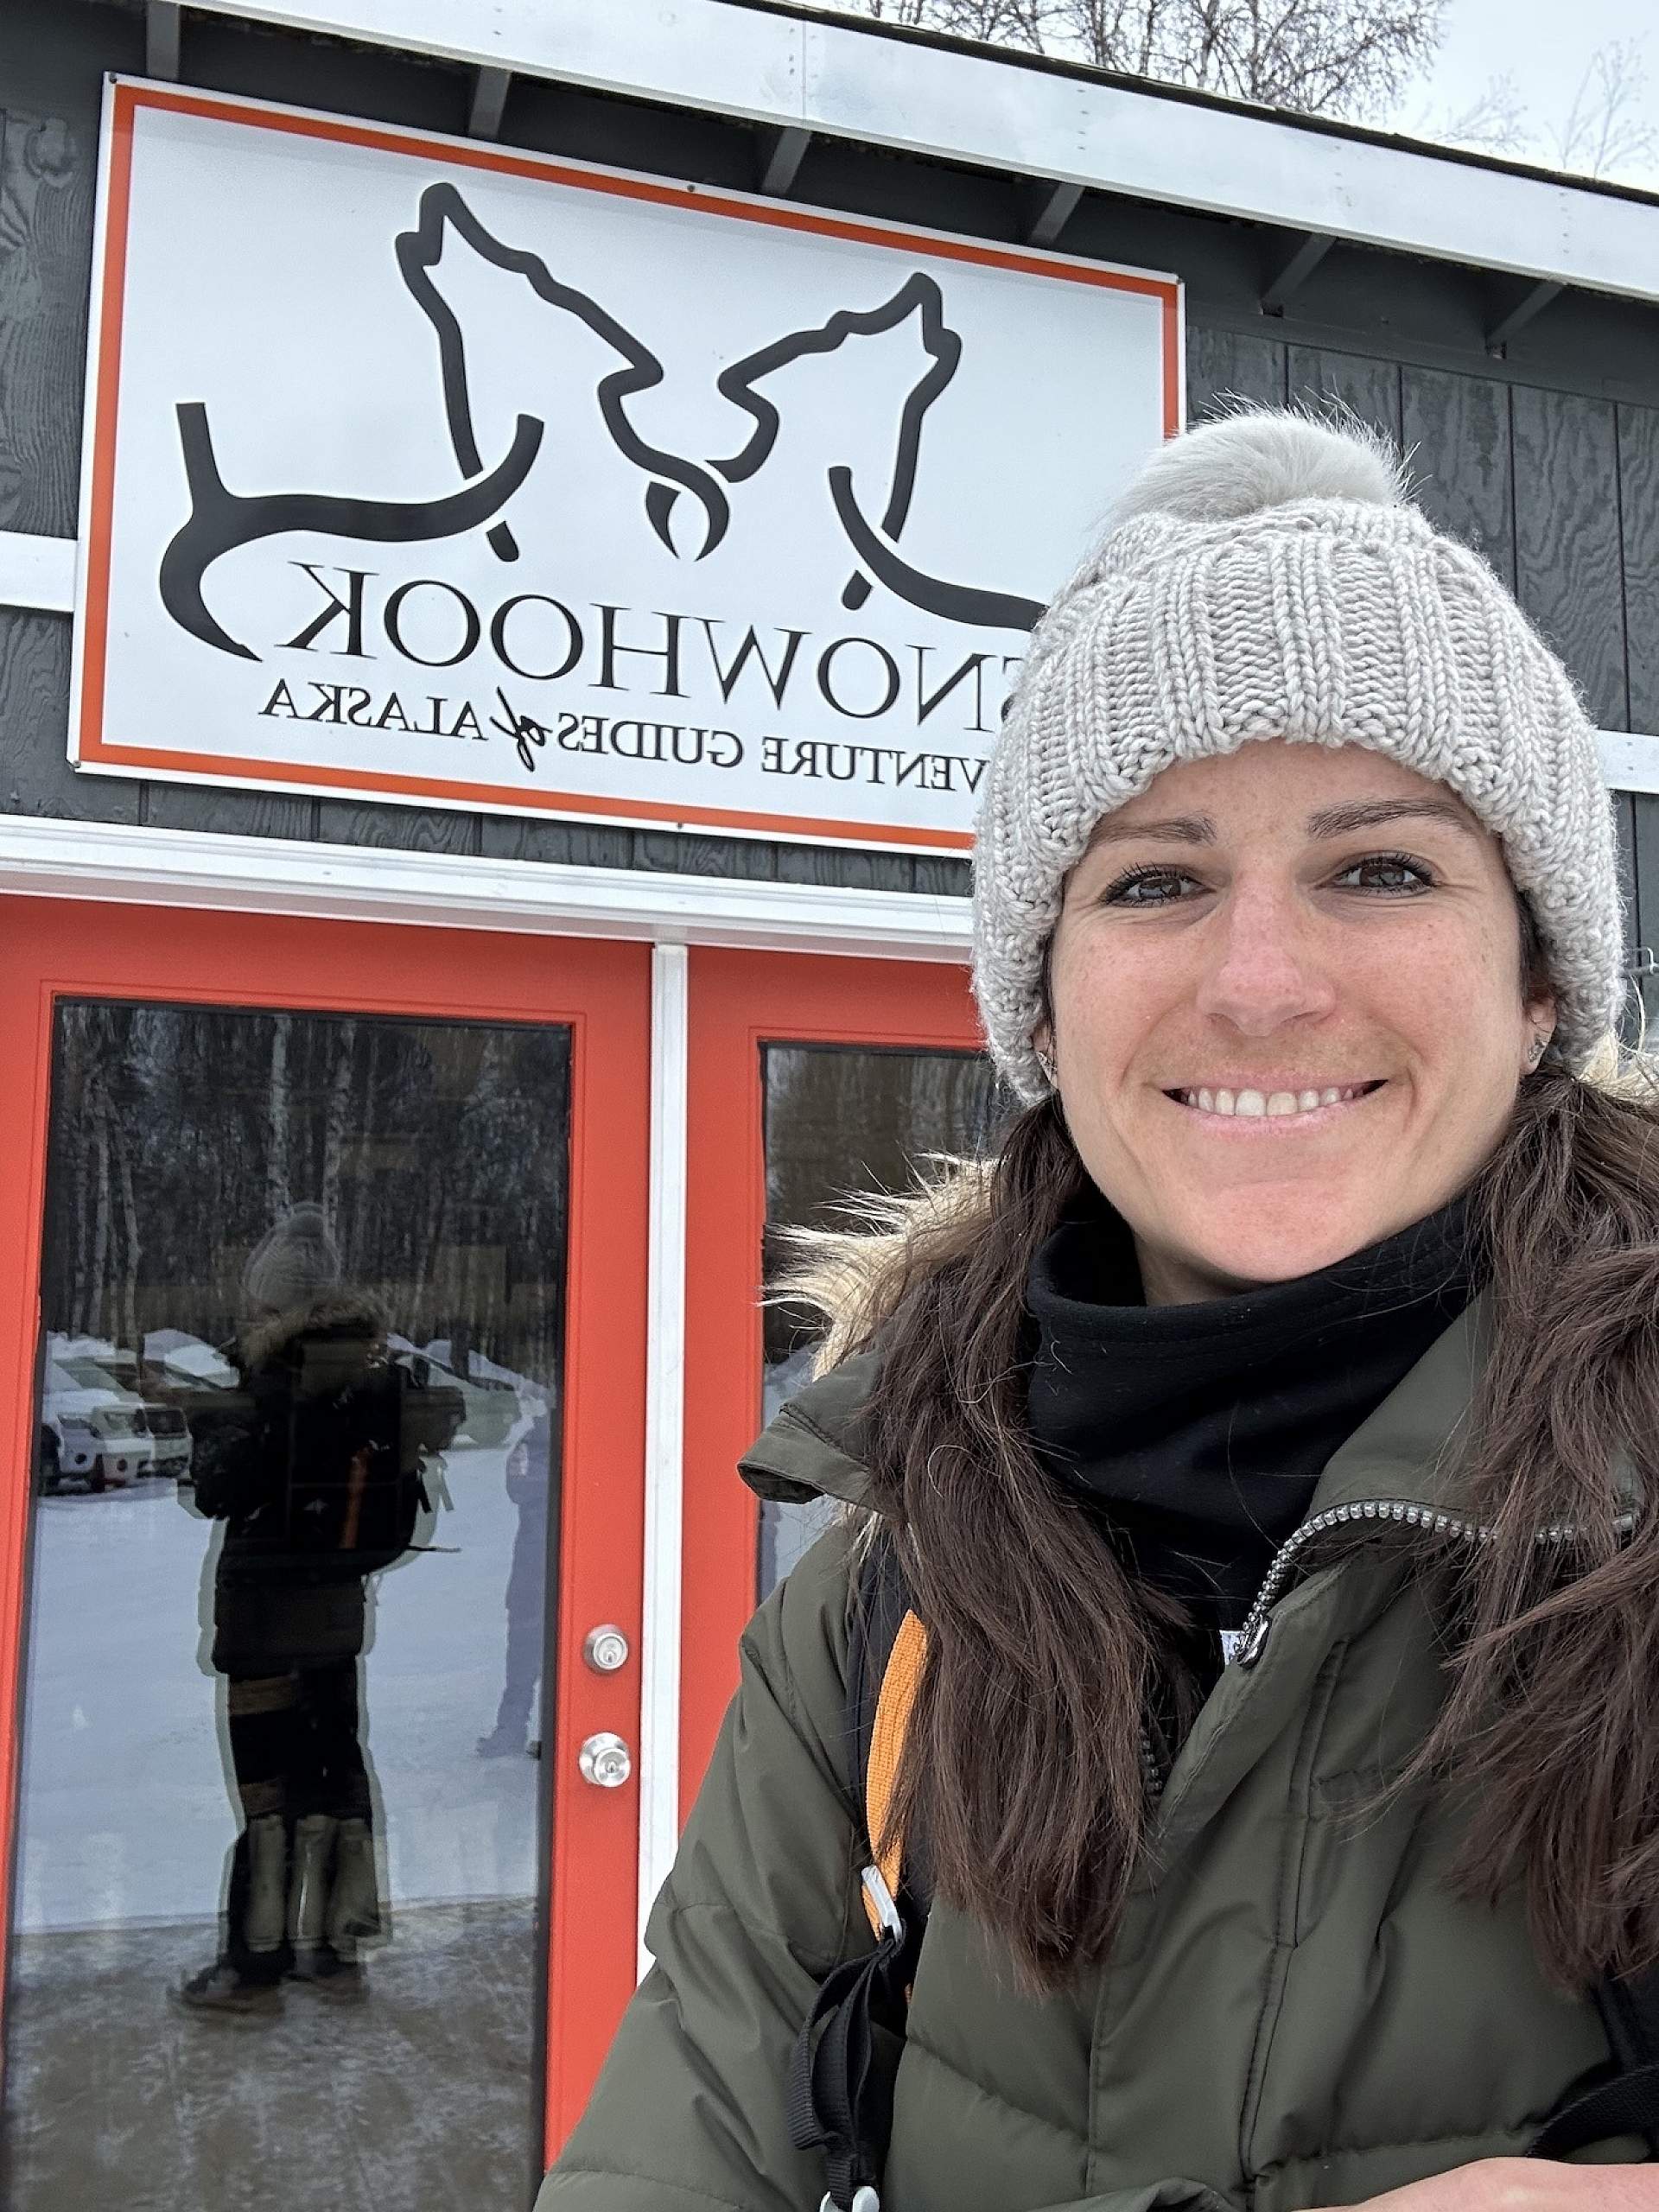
{"points": [[1327, 822], [1177, 830], [1366, 813]]}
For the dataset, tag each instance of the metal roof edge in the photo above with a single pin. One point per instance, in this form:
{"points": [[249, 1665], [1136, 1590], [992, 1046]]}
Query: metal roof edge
{"points": [[848, 77], [1327, 126]]}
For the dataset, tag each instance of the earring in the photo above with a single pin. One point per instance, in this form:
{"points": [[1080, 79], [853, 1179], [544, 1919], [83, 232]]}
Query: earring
{"points": [[1046, 1062], [1536, 1053]]}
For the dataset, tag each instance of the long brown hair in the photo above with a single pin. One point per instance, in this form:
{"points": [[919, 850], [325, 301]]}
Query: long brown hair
{"points": [[1024, 1767]]}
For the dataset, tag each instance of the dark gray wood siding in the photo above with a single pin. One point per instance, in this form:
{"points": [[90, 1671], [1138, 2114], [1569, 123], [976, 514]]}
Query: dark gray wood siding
{"points": [[1547, 458]]}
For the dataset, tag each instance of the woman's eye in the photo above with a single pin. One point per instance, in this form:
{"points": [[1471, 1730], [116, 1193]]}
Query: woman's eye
{"points": [[1393, 864], [1125, 891]]}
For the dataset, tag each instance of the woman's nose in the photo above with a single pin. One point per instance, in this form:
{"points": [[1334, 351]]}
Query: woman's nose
{"points": [[1261, 965]]}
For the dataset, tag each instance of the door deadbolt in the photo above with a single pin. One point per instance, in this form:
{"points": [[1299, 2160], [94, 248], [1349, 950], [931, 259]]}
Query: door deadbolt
{"points": [[605, 1648]]}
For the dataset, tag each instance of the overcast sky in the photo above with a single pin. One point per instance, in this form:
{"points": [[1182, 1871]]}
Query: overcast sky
{"points": [[1546, 46]]}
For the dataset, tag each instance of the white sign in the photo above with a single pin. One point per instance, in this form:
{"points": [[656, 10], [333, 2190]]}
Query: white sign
{"points": [[431, 471]]}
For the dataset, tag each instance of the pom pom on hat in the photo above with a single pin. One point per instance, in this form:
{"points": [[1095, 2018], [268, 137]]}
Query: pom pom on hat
{"points": [[1244, 463]]}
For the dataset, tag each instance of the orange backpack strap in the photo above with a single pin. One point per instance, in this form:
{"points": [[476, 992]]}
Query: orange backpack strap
{"points": [[892, 1726]]}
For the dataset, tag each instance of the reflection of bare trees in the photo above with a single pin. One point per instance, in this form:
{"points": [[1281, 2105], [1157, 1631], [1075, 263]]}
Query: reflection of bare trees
{"points": [[337, 1119], [840, 1121], [279, 1196], [103, 1252], [438, 1153]]}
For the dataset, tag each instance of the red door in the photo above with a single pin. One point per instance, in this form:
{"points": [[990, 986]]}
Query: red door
{"points": [[810, 1077], [412, 1162]]}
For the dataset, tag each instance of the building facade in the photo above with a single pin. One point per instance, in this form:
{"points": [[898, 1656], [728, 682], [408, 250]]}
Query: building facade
{"points": [[511, 1102]]}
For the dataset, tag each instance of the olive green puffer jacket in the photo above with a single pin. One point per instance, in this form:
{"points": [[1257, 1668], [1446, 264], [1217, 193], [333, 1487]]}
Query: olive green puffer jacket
{"points": [[1297, 2011]]}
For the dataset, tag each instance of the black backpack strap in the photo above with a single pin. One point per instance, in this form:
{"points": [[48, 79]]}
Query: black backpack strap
{"points": [[1621, 2098], [842, 2076], [847, 2054]]}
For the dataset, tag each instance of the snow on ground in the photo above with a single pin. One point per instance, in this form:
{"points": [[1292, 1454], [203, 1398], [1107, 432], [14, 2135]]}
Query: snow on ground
{"points": [[125, 1811]]}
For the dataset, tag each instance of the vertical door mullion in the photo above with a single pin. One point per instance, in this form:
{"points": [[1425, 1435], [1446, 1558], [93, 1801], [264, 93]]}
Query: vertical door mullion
{"points": [[659, 1687]]}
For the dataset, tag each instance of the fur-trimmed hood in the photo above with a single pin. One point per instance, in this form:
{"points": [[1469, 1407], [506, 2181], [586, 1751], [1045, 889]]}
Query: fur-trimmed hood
{"points": [[852, 1278], [337, 1312]]}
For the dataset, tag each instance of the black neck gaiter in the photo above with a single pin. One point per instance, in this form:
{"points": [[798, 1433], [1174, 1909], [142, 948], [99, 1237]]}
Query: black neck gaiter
{"points": [[1200, 1430]]}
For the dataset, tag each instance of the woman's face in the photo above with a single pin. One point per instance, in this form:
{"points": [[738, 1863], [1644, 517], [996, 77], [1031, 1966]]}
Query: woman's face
{"points": [[1292, 918]]}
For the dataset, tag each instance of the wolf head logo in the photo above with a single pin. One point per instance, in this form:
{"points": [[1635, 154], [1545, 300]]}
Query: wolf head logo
{"points": [[532, 367]]}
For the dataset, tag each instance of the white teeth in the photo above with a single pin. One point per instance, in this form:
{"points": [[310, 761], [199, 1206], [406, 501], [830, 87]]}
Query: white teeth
{"points": [[1253, 1102]]}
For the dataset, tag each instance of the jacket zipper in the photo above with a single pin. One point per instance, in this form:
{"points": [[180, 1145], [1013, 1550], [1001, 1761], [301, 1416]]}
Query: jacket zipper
{"points": [[1253, 1634]]}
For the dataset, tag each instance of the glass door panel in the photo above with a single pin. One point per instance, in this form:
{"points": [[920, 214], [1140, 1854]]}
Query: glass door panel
{"points": [[841, 1121], [810, 1077], [281, 1821]]}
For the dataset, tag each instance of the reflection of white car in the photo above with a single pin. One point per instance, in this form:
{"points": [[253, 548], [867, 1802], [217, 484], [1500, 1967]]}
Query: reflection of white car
{"points": [[493, 1397], [90, 1433], [188, 1363], [96, 1426]]}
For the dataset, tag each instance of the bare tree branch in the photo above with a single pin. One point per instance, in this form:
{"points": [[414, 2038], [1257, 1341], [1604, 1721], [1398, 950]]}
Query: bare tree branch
{"points": [[1325, 57], [1604, 129], [1603, 132], [999, 23], [1496, 121]]}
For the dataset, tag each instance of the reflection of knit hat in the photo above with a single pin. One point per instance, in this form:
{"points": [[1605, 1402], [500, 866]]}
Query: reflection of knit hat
{"points": [[292, 1263], [1266, 576]]}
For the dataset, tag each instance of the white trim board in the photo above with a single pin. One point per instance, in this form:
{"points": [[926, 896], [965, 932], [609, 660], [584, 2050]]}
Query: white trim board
{"points": [[659, 1635], [43, 856], [1629, 761], [851, 82], [37, 573]]}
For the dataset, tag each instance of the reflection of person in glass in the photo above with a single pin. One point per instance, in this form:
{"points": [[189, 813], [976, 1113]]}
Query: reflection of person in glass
{"points": [[529, 1487], [315, 1472]]}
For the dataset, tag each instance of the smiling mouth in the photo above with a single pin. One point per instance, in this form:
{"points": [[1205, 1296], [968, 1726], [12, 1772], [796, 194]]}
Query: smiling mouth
{"points": [[1273, 1105]]}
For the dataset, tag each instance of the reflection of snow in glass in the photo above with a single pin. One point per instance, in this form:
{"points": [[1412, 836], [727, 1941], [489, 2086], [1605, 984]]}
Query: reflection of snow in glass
{"points": [[129, 1817], [501, 1406], [184, 1359]]}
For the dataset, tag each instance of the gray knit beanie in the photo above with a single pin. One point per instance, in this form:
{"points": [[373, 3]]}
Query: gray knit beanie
{"points": [[293, 1263], [1266, 575]]}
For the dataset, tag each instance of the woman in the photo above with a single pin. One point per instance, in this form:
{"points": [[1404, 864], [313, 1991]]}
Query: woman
{"points": [[1262, 1439]]}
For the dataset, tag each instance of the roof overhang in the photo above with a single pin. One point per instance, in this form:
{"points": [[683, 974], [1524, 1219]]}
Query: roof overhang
{"points": [[773, 65]]}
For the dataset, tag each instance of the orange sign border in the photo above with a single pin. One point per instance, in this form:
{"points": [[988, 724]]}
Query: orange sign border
{"points": [[91, 748]]}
